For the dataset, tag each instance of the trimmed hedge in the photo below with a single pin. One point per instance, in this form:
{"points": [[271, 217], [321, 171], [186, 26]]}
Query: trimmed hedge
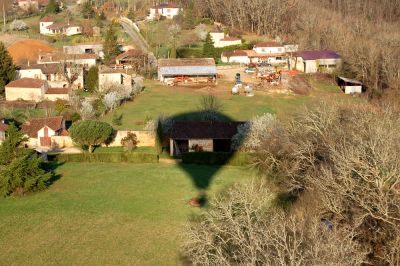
{"points": [[106, 157], [217, 158]]}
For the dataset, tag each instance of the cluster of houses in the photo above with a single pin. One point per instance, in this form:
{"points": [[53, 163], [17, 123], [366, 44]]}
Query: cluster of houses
{"points": [[276, 54], [53, 75]]}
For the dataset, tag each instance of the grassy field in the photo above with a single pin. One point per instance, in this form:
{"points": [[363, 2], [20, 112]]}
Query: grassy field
{"points": [[105, 214], [164, 100], [157, 100]]}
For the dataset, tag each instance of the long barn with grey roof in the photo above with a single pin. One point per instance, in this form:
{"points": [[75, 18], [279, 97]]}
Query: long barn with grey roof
{"points": [[196, 68]]}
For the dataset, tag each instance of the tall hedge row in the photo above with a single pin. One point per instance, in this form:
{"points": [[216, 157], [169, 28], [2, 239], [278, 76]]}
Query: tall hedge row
{"points": [[106, 157]]}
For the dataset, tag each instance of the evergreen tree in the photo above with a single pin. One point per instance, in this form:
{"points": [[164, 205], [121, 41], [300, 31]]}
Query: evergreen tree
{"points": [[9, 147], [208, 47], [110, 44], [20, 170], [92, 79], [52, 7], [87, 10], [7, 68]]}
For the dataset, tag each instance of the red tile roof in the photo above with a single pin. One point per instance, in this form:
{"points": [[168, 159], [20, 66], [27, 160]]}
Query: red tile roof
{"points": [[32, 127], [26, 83], [129, 54], [234, 53], [268, 44], [47, 19]]}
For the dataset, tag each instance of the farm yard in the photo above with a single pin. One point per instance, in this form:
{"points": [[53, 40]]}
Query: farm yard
{"points": [[103, 214], [158, 99]]}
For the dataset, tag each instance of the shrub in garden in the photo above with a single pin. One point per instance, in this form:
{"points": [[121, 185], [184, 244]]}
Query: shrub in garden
{"points": [[90, 133], [130, 142]]}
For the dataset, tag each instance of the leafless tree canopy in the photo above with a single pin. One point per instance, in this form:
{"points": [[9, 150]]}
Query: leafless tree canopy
{"points": [[340, 166]]}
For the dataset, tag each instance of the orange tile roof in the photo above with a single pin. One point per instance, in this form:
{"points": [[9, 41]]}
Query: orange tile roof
{"points": [[34, 125], [26, 83]]}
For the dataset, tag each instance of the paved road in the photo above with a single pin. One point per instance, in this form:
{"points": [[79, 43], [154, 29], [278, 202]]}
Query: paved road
{"points": [[140, 43]]}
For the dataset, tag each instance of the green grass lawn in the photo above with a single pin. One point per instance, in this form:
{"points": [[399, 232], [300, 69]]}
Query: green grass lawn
{"points": [[105, 214], [162, 100]]}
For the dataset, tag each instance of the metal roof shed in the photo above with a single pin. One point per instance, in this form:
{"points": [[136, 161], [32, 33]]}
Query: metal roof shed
{"points": [[196, 67]]}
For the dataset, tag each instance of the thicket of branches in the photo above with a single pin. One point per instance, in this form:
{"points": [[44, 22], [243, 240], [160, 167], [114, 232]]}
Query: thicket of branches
{"points": [[339, 165]]}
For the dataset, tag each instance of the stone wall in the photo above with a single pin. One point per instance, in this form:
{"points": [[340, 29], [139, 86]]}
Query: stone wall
{"points": [[145, 138]]}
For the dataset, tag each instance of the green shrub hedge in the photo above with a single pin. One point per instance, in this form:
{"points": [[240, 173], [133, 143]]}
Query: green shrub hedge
{"points": [[217, 158], [106, 157]]}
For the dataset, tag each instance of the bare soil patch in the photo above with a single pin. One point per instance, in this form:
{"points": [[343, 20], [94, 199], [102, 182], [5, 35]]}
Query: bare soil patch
{"points": [[28, 50]]}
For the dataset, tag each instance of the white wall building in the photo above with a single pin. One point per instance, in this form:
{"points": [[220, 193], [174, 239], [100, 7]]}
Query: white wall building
{"points": [[323, 61], [48, 26], [221, 40], [109, 77], [168, 11], [238, 56]]}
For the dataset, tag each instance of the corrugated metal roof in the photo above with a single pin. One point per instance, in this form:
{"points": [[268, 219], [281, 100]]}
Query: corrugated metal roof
{"points": [[188, 70]]}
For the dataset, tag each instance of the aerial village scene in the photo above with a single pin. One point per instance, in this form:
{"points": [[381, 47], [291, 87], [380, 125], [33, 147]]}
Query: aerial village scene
{"points": [[142, 132]]}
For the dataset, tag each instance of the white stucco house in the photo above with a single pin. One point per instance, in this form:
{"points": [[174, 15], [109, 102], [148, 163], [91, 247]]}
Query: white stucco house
{"points": [[237, 56], [49, 27], [221, 40], [324, 61], [168, 11]]}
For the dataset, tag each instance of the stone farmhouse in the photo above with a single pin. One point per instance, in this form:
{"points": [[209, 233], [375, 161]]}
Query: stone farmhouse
{"points": [[166, 11], [51, 73], [109, 76], [49, 27], [45, 132], [36, 90], [221, 40]]}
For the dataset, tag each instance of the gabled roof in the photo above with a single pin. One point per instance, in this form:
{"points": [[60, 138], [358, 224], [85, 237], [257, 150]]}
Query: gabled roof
{"points": [[62, 25], [268, 44], [52, 68], [26, 83], [132, 53], [204, 130], [320, 54], [32, 127], [47, 19]]}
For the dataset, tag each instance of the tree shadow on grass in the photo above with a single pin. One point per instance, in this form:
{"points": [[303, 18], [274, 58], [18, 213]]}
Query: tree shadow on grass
{"points": [[51, 167]]}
